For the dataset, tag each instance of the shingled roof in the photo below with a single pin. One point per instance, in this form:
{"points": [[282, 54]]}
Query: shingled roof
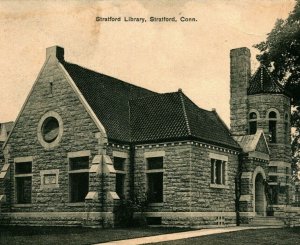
{"points": [[108, 97], [172, 116], [133, 114], [262, 82]]}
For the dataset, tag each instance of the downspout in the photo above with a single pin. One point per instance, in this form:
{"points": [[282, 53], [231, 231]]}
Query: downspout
{"points": [[131, 171], [238, 189]]}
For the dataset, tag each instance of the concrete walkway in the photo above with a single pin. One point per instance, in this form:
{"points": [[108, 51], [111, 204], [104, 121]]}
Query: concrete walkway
{"points": [[183, 235]]}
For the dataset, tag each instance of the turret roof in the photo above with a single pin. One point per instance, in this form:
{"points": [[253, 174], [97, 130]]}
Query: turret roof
{"points": [[263, 83]]}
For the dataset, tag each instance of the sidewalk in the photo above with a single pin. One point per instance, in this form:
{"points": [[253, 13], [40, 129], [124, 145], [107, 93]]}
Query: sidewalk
{"points": [[181, 235]]}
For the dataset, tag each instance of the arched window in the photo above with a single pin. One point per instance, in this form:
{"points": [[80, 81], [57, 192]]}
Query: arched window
{"points": [[252, 123], [272, 126], [286, 128]]}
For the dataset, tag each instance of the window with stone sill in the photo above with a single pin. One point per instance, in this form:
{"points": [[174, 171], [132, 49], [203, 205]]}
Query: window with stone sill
{"points": [[119, 165], [78, 178], [155, 179], [217, 172], [23, 182], [218, 167]]}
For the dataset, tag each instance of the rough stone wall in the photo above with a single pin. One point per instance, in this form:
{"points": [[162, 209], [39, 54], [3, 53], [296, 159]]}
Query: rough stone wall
{"points": [[176, 180], [186, 188], [240, 72], [205, 197], [280, 152], [78, 135]]}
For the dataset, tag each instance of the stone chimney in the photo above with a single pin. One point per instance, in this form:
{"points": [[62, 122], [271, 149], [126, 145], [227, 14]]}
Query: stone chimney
{"points": [[240, 73], [55, 52]]}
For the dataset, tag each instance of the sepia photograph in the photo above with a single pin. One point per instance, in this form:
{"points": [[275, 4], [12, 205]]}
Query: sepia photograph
{"points": [[150, 122]]}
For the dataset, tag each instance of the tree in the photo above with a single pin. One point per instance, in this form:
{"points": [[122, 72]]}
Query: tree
{"points": [[281, 54]]}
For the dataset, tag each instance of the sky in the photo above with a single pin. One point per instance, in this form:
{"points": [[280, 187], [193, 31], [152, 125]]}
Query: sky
{"points": [[162, 57]]}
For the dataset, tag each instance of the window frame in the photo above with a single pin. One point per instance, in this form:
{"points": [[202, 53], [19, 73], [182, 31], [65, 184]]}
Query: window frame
{"points": [[156, 171], [272, 123], [18, 176], [74, 155], [223, 160], [253, 121], [120, 173]]}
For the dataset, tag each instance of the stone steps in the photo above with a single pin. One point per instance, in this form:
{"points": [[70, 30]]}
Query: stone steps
{"points": [[266, 221]]}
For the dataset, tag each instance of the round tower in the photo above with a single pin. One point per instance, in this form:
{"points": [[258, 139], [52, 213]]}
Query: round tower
{"points": [[269, 109]]}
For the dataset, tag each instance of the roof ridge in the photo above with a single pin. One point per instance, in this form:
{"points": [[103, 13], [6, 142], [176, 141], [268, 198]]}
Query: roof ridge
{"points": [[272, 79], [119, 80], [152, 95], [184, 111]]}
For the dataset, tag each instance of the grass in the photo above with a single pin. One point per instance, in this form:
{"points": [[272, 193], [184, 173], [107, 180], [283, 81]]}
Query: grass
{"points": [[14, 235], [78, 235], [282, 236]]}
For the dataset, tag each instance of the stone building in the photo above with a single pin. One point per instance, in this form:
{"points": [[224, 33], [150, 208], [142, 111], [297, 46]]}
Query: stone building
{"points": [[84, 142]]}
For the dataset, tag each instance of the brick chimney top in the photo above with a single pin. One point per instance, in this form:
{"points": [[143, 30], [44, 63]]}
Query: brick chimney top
{"points": [[55, 52]]}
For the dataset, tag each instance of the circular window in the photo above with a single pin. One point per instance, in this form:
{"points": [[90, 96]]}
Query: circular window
{"points": [[50, 129]]}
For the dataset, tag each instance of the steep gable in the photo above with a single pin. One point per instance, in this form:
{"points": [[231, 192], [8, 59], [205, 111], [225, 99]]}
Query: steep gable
{"points": [[54, 91], [253, 142]]}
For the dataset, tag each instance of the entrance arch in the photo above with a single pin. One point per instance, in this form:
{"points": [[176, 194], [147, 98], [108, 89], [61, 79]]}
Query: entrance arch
{"points": [[259, 202]]}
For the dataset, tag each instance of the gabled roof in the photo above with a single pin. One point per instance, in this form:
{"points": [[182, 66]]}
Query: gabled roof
{"points": [[108, 97], [133, 114], [253, 142], [263, 83]]}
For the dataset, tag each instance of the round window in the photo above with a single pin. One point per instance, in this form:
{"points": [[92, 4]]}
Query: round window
{"points": [[50, 129]]}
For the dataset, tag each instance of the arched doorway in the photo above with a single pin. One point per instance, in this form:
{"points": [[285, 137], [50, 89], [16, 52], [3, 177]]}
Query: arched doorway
{"points": [[260, 199]]}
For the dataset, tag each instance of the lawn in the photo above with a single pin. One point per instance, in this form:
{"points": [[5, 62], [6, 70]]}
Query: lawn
{"points": [[79, 235], [286, 236], [73, 235]]}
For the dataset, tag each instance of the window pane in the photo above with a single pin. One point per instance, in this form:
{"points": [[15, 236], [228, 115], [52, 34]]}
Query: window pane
{"points": [[218, 172], [120, 185], [155, 162], [212, 169], [79, 186], [252, 127], [23, 188], [253, 115], [272, 131], [223, 172], [79, 163], [272, 114], [23, 168], [155, 187], [272, 178], [119, 163]]}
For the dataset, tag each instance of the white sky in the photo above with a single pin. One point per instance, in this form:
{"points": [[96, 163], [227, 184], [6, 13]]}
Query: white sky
{"points": [[159, 56]]}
